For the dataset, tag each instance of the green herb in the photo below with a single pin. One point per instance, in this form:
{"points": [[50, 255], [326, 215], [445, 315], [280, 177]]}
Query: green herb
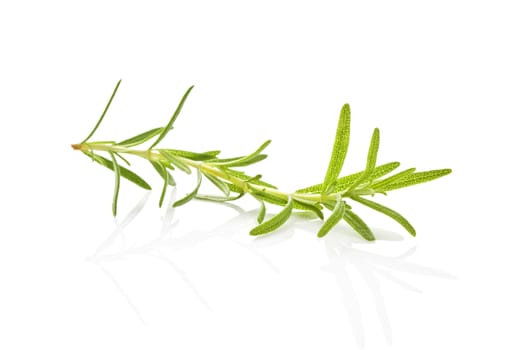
{"points": [[233, 184]]}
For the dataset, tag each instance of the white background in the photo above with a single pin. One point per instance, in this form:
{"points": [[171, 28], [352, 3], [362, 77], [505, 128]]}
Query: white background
{"points": [[443, 80]]}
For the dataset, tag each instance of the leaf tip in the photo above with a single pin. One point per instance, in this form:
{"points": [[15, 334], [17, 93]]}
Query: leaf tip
{"points": [[254, 232], [321, 234]]}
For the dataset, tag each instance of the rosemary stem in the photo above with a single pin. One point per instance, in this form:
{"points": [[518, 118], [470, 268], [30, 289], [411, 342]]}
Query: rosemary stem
{"points": [[154, 155], [212, 170], [147, 154]]}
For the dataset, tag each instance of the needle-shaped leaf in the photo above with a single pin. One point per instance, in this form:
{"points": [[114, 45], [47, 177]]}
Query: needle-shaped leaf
{"points": [[249, 179], [193, 155], [103, 113], [388, 212], [417, 178], [246, 160], [340, 147], [235, 188], [225, 160], [379, 185], [372, 152], [307, 205], [221, 185], [116, 169], [212, 198], [169, 126], [161, 170], [275, 222], [358, 224], [282, 200], [255, 178], [175, 161], [333, 219], [102, 142], [268, 197], [123, 159], [190, 195], [347, 181], [124, 172], [378, 172], [262, 213], [164, 187], [370, 160], [140, 138]]}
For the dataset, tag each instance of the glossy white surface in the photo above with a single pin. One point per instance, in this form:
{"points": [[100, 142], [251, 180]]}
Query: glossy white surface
{"points": [[443, 82]]}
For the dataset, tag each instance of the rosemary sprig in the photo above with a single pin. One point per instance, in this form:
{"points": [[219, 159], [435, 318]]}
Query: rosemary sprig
{"points": [[332, 194]]}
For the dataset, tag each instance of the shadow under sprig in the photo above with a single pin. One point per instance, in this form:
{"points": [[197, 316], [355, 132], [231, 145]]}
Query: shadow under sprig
{"points": [[342, 249]]}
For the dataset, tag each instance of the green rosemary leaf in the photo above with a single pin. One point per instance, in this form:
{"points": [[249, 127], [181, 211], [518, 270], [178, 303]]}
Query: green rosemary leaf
{"points": [[268, 197], [123, 159], [175, 161], [370, 161], [340, 147], [212, 198], [417, 178], [378, 172], [254, 179], [116, 169], [311, 206], [102, 142], [140, 138], [388, 212], [169, 126], [246, 160], [224, 160], [124, 172], [358, 224], [334, 218], [379, 185], [221, 185], [372, 152], [166, 164], [262, 213], [275, 222], [190, 195], [164, 187], [213, 154], [347, 181], [282, 201], [249, 179], [103, 113], [260, 149], [234, 188], [318, 188], [161, 170], [194, 155]]}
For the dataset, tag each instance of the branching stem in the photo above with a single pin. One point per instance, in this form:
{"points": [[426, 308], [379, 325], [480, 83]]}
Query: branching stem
{"points": [[155, 155], [223, 173]]}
